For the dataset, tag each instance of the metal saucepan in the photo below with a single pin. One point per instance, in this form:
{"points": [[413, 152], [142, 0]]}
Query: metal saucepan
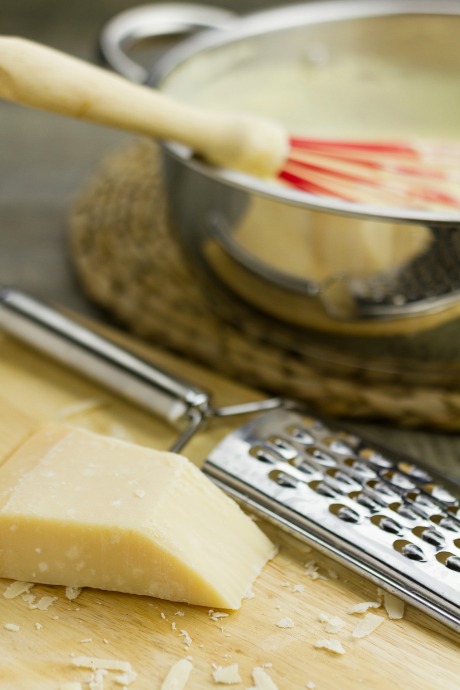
{"points": [[305, 266]]}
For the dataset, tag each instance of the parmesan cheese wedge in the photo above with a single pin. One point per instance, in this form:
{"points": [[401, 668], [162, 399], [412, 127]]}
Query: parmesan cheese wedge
{"points": [[83, 510]]}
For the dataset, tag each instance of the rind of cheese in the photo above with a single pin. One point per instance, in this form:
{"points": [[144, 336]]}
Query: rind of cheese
{"points": [[83, 510]]}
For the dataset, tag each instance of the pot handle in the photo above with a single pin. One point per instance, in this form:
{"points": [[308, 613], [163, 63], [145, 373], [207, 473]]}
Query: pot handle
{"points": [[169, 21]]}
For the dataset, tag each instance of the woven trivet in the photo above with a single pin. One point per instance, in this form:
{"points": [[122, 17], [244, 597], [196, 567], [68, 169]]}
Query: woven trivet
{"points": [[128, 263]]}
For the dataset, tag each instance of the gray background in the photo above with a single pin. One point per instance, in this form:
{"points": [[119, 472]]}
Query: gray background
{"points": [[45, 160]]}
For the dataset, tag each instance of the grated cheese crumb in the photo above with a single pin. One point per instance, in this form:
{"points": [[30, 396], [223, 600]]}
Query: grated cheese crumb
{"points": [[298, 588], [285, 623], [331, 645], [393, 606], [311, 569], [333, 623], [86, 639], [125, 678], [96, 680], [43, 603], [227, 675], [262, 680], [96, 664], [12, 627], [178, 675], [311, 685], [363, 606], [15, 589], [179, 613], [367, 625], [215, 615], [139, 493], [186, 636], [72, 592], [38, 626]]}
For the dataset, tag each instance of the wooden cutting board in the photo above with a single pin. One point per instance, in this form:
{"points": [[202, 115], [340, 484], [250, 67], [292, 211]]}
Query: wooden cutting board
{"points": [[414, 652]]}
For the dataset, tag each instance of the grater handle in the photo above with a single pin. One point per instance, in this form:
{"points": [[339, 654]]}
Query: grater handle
{"points": [[116, 368]]}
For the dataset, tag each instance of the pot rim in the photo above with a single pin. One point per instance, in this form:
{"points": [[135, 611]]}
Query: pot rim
{"points": [[282, 18]]}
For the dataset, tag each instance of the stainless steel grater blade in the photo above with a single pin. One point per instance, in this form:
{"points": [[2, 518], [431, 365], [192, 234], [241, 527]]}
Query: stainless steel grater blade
{"points": [[382, 514]]}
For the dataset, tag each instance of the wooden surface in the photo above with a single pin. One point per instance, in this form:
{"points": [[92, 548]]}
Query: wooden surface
{"points": [[413, 652]]}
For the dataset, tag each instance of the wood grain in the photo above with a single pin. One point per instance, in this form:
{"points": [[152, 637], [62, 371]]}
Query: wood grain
{"points": [[414, 652]]}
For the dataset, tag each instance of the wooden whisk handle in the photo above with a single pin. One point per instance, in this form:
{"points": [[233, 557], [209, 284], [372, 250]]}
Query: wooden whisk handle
{"points": [[45, 78]]}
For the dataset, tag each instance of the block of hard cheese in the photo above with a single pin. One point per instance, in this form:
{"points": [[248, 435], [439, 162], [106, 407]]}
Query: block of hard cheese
{"points": [[85, 510]]}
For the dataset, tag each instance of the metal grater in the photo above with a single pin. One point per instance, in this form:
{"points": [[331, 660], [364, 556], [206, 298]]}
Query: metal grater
{"points": [[382, 514]]}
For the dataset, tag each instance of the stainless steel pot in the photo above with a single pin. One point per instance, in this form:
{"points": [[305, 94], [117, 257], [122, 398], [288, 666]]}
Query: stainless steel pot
{"points": [[381, 281]]}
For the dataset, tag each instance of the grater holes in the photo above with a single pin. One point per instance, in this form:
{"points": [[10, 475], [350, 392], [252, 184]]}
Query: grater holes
{"points": [[284, 479], [322, 457], [444, 522], [404, 510], [340, 476], [423, 504], [383, 490], [414, 472], [366, 501], [345, 513], [264, 454], [449, 560], [360, 468], [282, 447], [375, 458], [398, 480], [430, 535], [323, 489], [336, 445], [299, 434], [409, 550], [454, 510], [440, 494], [387, 524], [302, 465]]}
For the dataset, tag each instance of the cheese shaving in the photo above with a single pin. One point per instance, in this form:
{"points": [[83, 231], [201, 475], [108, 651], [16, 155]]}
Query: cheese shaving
{"points": [[15, 589], [393, 606], [215, 615], [72, 592], [12, 627], [227, 675], [43, 603], [367, 625], [125, 678], [333, 623], [285, 623], [330, 645], [262, 680], [178, 675], [105, 664], [363, 606], [186, 636]]}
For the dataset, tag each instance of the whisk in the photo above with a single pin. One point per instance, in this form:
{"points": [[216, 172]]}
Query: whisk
{"points": [[422, 175]]}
